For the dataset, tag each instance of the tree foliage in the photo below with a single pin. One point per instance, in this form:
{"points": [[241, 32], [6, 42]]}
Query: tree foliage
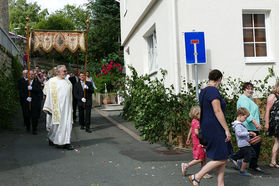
{"points": [[56, 22], [19, 10], [104, 29], [77, 15]]}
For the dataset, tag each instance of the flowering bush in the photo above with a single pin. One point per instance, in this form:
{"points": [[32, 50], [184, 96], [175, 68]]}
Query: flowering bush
{"points": [[111, 75], [158, 111]]}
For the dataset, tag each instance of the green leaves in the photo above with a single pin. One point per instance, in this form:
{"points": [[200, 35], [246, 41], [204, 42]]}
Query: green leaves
{"points": [[8, 92], [105, 28], [156, 110], [110, 73], [19, 10], [76, 15], [56, 22], [159, 113]]}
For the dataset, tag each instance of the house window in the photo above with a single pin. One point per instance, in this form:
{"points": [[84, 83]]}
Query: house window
{"points": [[152, 52], [254, 35], [125, 7]]}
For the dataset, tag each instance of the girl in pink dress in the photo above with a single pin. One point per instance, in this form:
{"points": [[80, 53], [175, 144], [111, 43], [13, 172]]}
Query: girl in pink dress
{"points": [[199, 154]]}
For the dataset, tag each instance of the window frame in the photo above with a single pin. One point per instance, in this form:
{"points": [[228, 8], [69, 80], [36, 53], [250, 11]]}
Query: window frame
{"points": [[125, 7], [152, 52], [263, 59]]}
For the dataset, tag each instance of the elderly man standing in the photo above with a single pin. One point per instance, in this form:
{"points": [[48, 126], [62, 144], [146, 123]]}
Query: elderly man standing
{"points": [[22, 84], [58, 105], [31, 104]]}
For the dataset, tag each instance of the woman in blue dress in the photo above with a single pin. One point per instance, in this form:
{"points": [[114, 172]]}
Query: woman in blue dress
{"points": [[215, 129]]}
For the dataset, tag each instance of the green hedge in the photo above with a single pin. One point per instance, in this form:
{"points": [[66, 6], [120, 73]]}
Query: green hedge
{"points": [[8, 92], [157, 111]]}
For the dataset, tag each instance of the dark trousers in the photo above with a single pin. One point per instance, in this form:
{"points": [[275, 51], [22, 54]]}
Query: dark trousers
{"points": [[247, 153], [257, 147], [74, 108], [31, 117], [84, 121]]}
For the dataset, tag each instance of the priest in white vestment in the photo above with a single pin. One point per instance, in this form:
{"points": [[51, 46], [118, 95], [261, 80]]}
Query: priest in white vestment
{"points": [[58, 106]]}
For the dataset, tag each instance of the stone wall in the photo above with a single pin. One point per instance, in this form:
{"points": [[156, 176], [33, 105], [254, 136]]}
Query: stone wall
{"points": [[5, 58], [4, 15], [4, 23]]}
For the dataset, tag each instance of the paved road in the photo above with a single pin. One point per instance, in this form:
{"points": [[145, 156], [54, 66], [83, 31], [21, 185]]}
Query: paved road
{"points": [[108, 156]]}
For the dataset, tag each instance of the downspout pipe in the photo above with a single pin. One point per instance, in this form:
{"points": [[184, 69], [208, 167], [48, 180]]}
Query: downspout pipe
{"points": [[175, 47]]}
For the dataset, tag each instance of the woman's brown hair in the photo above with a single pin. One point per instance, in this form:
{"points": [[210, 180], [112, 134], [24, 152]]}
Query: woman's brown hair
{"points": [[215, 75]]}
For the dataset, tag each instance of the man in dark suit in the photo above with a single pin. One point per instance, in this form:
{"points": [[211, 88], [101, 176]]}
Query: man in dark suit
{"points": [[74, 79], [33, 112], [22, 82], [84, 103]]}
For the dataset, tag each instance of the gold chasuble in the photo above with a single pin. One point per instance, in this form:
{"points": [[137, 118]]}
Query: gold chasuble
{"points": [[58, 106]]}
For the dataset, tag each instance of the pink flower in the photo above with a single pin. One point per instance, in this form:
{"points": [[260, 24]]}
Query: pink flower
{"points": [[118, 64], [97, 76], [103, 65], [111, 62], [103, 70], [120, 69]]}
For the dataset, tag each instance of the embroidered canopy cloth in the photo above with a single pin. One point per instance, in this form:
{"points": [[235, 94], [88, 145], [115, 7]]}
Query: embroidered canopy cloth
{"points": [[58, 40]]}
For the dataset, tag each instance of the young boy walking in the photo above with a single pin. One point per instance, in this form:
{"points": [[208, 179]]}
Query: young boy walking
{"points": [[245, 151]]}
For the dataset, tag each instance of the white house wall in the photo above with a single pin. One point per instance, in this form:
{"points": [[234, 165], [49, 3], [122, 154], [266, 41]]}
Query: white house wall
{"points": [[131, 11], [137, 57], [221, 20]]}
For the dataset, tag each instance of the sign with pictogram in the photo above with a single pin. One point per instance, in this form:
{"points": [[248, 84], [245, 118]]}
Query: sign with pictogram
{"points": [[195, 47]]}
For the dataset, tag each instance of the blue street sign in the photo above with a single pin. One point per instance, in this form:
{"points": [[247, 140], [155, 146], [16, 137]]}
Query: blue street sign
{"points": [[195, 47]]}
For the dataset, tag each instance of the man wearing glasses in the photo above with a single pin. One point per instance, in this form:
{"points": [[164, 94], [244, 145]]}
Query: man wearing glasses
{"points": [[58, 106]]}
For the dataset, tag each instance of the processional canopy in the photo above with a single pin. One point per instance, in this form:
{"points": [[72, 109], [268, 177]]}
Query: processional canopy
{"points": [[44, 41]]}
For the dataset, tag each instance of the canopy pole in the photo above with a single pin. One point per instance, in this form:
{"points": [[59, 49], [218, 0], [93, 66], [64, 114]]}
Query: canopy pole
{"points": [[77, 62], [86, 46], [28, 60]]}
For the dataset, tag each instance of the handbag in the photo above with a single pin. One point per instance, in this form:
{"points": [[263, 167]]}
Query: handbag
{"points": [[255, 140], [202, 138]]}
